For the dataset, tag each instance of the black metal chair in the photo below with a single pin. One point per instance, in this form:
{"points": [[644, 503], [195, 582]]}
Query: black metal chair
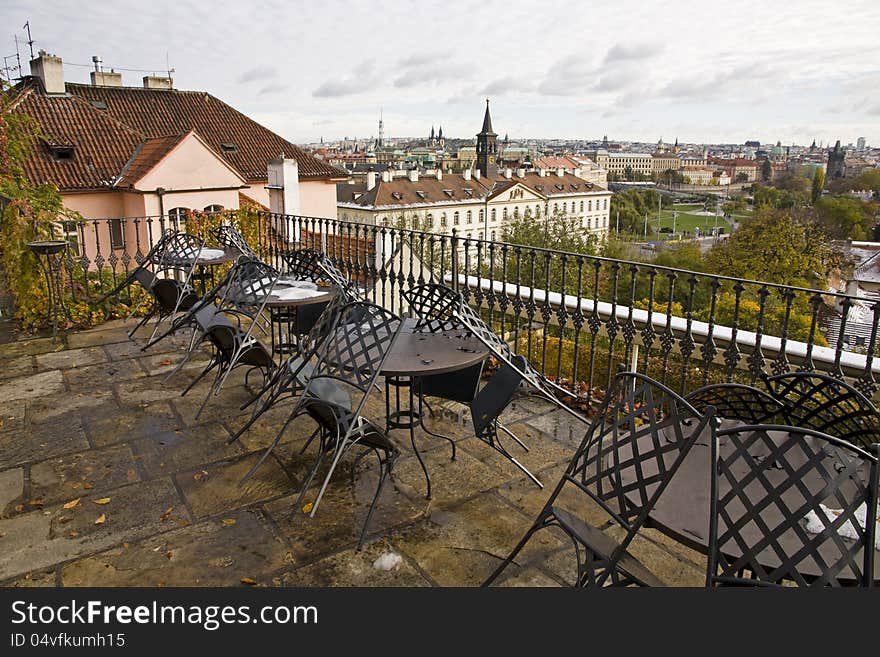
{"points": [[229, 237], [245, 296], [165, 274], [350, 359], [204, 313], [826, 404], [434, 306], [628, 457], [290, 379], [781, 499], [735, 401]]}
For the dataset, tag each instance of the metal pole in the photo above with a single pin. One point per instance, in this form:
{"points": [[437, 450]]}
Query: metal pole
{"points": [[617, 224], [646, 226]]}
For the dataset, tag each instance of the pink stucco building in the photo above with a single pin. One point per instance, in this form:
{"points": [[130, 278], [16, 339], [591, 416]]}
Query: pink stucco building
{"points": [[116, 151]]}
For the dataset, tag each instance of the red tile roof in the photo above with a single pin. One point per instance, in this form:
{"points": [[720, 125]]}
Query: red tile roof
{"points": [[134, 129], [161, 112], [102, 145], [147, 155]]}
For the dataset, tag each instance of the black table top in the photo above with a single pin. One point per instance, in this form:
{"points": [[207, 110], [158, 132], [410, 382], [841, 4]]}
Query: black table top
{"points": [[683, 509], [422, 354]]}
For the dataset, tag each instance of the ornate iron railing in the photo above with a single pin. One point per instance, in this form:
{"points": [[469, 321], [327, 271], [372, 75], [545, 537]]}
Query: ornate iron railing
{"points": [[577, 317]]}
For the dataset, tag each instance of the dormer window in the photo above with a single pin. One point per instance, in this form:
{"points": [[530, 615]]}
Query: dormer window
{"points": [[228, 147], [559, 187], [448, 192], [420, 193], [61, 153], [397, 195]]}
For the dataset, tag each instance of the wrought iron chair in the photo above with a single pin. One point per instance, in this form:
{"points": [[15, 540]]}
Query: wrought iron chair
{"points": [[290, 379], [168, 283], [734, 401], [205, 312], [628, 457], [246, 294], [350, 358], [791, 505], [435, 305], [823, 403], [229, 237]]}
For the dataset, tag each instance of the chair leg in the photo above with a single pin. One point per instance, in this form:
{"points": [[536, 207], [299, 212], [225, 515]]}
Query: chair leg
{"points": [[307, 482], [212, 392], [512, 435], [143, 321], [269, 450], [384, 471], [214, 363], [510, 557], [427, 430]]}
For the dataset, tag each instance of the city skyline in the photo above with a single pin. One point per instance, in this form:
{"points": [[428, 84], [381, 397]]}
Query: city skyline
{"points": [[634, 72]]}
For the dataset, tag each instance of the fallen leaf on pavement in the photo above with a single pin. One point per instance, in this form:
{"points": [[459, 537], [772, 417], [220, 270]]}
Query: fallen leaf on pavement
{"points": [[228, 521], [167, 513], [103, 500], [248, 581], [101, 519], [307, 507], [71, 504]]}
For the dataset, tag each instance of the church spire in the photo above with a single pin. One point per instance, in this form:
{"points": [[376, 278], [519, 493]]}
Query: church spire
{"points": [[487, 122]]}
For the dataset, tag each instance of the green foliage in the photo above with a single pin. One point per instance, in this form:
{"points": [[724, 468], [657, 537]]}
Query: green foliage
{"points": [[766, 171], [818, 184], [631, 206], [845, 217], [774, 246], [869, 179]]}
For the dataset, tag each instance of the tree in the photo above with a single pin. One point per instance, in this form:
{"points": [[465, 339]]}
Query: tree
{"points": [[869, 179], [774, 246], [818, 184], [845, 217], [766, 170], [742, 177]]}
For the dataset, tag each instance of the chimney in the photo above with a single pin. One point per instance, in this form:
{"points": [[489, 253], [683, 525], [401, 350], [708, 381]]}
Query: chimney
{"points": [[466, 174], [477, 174], [386, 175], [542, 172], [560, 172], [283, 191], [439, 174], [520, 173], [157, 82], [414, 175], [371, 180], [508, 173], [50, 70], [106, 79]]}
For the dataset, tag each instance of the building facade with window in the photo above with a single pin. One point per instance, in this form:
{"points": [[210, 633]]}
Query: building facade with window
{"points": [[116, 151], [474, 206]]}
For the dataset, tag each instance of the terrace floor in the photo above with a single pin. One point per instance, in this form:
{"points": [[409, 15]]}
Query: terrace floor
{"points": [[107, 480]]}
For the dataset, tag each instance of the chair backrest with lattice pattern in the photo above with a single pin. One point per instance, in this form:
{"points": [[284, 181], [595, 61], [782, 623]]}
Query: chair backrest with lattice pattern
{"points": [[229, 237], [433, 306], [826, 404], [789, 504], [734, 401]]}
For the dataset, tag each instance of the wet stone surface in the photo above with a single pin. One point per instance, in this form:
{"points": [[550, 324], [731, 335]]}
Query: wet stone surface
{"points": [[108, 479]]}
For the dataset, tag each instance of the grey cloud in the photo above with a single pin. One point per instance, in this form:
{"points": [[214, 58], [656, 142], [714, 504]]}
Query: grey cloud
{"points": [[258, 73], [504, 85], [621, 52], [567, 77], [418, 60], [271, 89], [361, 79], [417, 76]]}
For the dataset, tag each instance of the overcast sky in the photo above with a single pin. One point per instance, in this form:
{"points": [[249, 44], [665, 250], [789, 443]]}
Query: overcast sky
{"points": [[700, 71]]}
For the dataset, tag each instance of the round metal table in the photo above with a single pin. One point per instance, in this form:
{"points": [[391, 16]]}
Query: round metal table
{"points": [[419, 354], [284, 312]]}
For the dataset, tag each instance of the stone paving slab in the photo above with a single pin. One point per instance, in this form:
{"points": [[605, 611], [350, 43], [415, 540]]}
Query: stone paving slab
{"points": [[62, 360], [41, 538], [34, 386], [213, 488], [218, 552], [163, 452], [93, 472], [16, 366], [356, 569], [40, 441]]}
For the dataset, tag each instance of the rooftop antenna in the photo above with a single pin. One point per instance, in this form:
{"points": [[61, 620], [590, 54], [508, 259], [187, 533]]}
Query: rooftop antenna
{"points": [[17, 55], [97, 61], [27, 26], [381, 128], [168, 68]]}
